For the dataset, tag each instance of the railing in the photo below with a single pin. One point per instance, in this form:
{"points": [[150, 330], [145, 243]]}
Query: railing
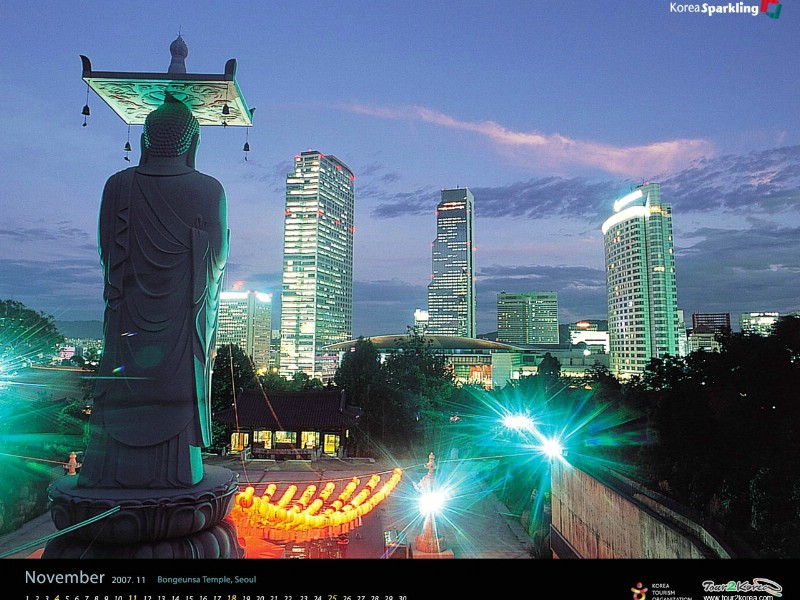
{"points": [[275, 453]]}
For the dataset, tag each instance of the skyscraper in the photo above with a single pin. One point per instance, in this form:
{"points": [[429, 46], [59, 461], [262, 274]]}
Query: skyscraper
{"points": [[716, 322], [451, 292], [640, 281], [317, 290], [528, 318], [245, 320]]}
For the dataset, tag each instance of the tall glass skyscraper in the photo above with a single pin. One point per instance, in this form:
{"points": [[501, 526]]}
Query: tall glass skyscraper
{"points": [[643, 317], [317, 290], [245, 320], [527, 318], [451, 292]]}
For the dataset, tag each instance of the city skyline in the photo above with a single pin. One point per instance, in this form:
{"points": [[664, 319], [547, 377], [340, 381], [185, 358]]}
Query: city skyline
{"points": [[545, 157]]}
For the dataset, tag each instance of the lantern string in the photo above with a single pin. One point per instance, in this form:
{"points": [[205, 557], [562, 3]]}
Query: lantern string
{"points": [[61, 532], [55, 462]]}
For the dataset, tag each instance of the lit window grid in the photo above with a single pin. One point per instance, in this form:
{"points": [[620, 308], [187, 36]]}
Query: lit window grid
{"points": [[527, 318], [451, 292], [318, 263], [641, 288], [247, 323]]}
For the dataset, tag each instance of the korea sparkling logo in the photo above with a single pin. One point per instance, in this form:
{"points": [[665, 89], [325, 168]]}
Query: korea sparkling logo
{"points": [[772, 13]]}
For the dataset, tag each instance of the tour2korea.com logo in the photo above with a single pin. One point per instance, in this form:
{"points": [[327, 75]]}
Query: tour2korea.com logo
{"points": [[758, 589], [770, 8]]}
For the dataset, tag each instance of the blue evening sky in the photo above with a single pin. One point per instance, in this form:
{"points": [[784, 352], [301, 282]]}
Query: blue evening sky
{"points": [[546, 111]]}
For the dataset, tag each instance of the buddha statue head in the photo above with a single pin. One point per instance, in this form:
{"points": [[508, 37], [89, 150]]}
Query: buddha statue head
{"points": [[170, 131]]}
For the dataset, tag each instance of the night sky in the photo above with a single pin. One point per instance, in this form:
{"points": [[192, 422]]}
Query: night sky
{"points": [[548, 112]]}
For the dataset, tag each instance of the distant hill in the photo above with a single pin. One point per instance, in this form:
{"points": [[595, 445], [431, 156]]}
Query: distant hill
{"points": [[92, 330]]}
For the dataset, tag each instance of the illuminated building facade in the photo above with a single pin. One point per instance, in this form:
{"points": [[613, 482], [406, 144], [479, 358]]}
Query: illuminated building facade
{"points": [[716, 322], [643, 320], [245, 320], [527, 318], [758, 323], [590, 334], [317, 290], [451, 292], [421, 318]]}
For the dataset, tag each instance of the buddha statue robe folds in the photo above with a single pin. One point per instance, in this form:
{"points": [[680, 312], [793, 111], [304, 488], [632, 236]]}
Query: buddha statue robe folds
{"points": [[163, 241]]}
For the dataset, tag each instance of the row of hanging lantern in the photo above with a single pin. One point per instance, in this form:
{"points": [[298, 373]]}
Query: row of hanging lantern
{"points": [[310, 513]]}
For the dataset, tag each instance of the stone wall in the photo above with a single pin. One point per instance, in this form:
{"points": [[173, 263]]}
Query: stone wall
{"points": [[615, 518]]}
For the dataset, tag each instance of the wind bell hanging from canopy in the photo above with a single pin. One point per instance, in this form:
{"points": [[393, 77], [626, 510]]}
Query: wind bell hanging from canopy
{"points": [[214, 99]]}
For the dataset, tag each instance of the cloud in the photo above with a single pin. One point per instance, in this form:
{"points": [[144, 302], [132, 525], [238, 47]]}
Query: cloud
{"points": [[421, 201], [532, 199], [581, 290], [761, 181], [69, 289], [75, 237], [726, 270], [273, 176], [539, 150], [765, 181], [736, 271], [548, 196], [385, 306]]}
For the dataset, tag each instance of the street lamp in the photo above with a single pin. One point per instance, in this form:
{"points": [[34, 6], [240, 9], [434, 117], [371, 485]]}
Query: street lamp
{"points": [[552, 448], [518, 422], [431, 502]]}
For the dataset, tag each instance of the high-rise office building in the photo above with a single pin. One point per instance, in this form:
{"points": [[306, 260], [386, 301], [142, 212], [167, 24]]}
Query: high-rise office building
{"points": [[527, 318], [591, 334], [643, 320], [716, 322], [421, 321], [317, 290], [245, 320], [758, 323], [704, 338], [683, 339], [451, 292]]}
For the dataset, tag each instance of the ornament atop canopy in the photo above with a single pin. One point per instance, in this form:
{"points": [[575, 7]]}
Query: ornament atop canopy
{"points": [[214, 99]]}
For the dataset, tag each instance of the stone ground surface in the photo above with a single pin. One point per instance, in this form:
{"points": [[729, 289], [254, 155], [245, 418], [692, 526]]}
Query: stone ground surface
{"points": [[475, 524]]}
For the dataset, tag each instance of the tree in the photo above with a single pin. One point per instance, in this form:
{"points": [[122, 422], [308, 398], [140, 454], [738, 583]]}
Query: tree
{"points": [[302, 382], [25, 335], [726, 433], [549, 370], [363, 380], [787, 332], [360, 372], [233, 372], [274, 381], [421, 382]]}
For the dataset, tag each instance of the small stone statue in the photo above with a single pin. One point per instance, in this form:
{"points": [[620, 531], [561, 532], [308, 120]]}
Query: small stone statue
{"points": [[163, 243]]}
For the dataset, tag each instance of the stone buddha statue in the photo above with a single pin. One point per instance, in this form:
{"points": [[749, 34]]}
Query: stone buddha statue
{"points": [[163, 241]]}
